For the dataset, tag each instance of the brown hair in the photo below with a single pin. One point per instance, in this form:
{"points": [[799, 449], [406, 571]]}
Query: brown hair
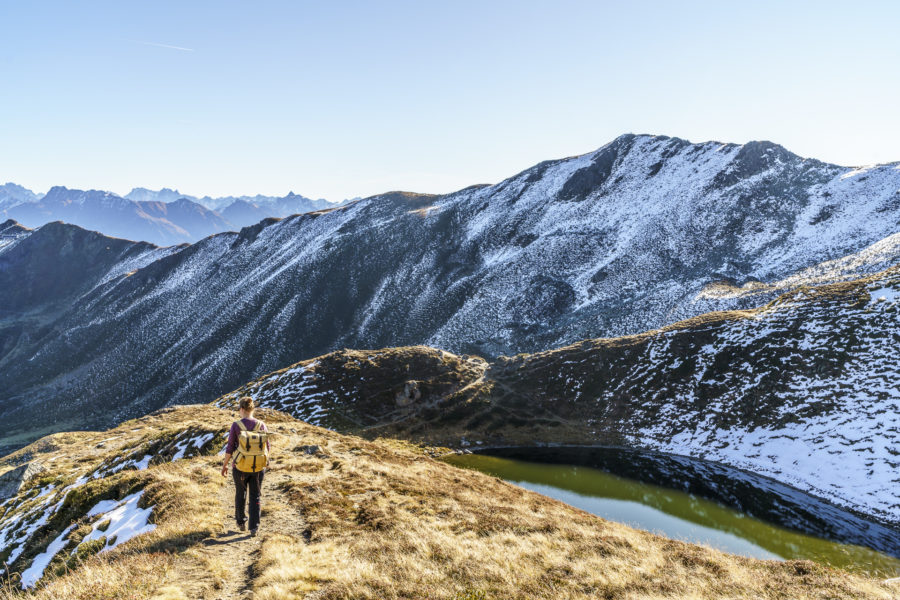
{"points": [[247, 404]]}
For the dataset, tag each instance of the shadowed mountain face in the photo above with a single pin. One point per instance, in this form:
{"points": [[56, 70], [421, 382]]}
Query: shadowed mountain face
{"points": [[802, 390], [638, 234]]}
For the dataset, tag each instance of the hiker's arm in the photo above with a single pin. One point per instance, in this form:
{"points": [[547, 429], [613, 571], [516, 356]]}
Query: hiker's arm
{"points": [[230, 447]]}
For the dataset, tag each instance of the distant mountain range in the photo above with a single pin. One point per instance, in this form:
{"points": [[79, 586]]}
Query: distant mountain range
{"points": [[163, 217], [643, 232]]}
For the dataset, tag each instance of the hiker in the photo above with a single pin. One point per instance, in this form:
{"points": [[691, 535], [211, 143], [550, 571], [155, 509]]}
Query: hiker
{"points": [[247, 438]]}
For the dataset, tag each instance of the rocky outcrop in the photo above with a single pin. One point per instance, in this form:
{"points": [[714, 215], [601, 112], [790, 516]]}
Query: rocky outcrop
{"points": [[13, 480]]}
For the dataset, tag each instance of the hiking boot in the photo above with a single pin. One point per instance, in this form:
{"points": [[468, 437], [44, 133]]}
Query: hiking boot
{"points": [[242, 526], [252, 533]]}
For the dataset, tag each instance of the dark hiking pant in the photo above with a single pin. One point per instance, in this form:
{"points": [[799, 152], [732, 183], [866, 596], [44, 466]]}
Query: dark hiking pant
{"points": [[242, 481]]}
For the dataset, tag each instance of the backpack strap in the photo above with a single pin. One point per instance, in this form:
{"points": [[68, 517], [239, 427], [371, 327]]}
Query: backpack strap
{"points": [[242, 427], [259, 426]]}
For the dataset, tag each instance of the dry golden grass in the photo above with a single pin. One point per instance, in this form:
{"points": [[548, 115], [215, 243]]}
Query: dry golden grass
{"points": [[382, 519], [186, 510], [112, 576], [386, 521]]}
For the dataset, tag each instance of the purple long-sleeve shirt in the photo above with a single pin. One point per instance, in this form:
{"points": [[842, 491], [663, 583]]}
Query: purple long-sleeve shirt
{"points": [[236, 431]]}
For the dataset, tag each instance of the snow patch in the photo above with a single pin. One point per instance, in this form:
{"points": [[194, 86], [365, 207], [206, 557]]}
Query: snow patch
{"points": [[33, 574], [126, 520]]}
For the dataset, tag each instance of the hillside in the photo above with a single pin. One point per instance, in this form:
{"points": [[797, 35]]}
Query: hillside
{"points": [[634, 236], [141, 510], [801, 390]]}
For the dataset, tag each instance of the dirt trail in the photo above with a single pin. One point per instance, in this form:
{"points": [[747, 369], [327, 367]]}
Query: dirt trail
{"points": [[235, 549]]}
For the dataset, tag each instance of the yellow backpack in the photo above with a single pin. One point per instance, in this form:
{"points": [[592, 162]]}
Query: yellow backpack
{"points": [[252, 454]]}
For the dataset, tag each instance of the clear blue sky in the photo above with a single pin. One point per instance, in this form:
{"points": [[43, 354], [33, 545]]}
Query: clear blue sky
{"points": [[341, 99]]}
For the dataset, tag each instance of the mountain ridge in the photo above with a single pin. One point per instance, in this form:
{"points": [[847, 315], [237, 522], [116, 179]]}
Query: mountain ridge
{"points": [[345, 517], [163, 219], [567, 250]]}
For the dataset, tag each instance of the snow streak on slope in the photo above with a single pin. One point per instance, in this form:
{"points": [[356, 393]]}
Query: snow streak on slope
{"points": [[294, 391], [10, 233]]}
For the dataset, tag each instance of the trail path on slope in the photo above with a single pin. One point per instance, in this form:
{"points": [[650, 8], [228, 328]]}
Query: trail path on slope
{"points": [[236, 549]]}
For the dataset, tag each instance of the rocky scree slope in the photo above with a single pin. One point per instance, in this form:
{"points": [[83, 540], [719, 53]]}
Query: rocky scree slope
{"points": [[141, 511], [635, 235], [803, 390]]}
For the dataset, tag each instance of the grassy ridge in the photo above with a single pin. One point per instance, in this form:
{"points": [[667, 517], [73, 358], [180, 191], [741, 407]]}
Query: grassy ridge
{"points": [[345, 517]]}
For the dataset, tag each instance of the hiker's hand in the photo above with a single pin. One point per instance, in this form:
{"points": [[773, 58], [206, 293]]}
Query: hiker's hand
{"points": [[224, 470]]}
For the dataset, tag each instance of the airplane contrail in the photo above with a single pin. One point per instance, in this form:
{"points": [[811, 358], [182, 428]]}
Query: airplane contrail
{"points": [[158, 45]]}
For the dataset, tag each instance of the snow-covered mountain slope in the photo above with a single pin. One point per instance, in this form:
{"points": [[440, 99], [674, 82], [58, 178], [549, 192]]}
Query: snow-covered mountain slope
{"points": [[620, 240], [10, 231], [12, 194], [624, 238], [803, 390]]}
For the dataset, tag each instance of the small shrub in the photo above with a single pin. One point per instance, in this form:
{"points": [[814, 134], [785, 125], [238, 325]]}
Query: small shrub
{"points": [[470, 594], [84, 551]]}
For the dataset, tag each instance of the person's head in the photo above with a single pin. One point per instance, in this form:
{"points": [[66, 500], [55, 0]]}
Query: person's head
{"points": [[246, 406]]}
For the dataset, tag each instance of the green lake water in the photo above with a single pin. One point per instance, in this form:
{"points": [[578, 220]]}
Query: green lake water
{"points": [[676, 514]]}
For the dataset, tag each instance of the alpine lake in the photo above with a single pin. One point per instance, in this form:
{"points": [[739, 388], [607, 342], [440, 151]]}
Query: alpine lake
{"points": [[697, 501]]}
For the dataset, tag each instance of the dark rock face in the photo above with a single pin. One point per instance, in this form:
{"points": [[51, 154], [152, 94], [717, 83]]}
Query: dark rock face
{"points": [[524, 265], [12, 481], [754, 158], [589, 179]]}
